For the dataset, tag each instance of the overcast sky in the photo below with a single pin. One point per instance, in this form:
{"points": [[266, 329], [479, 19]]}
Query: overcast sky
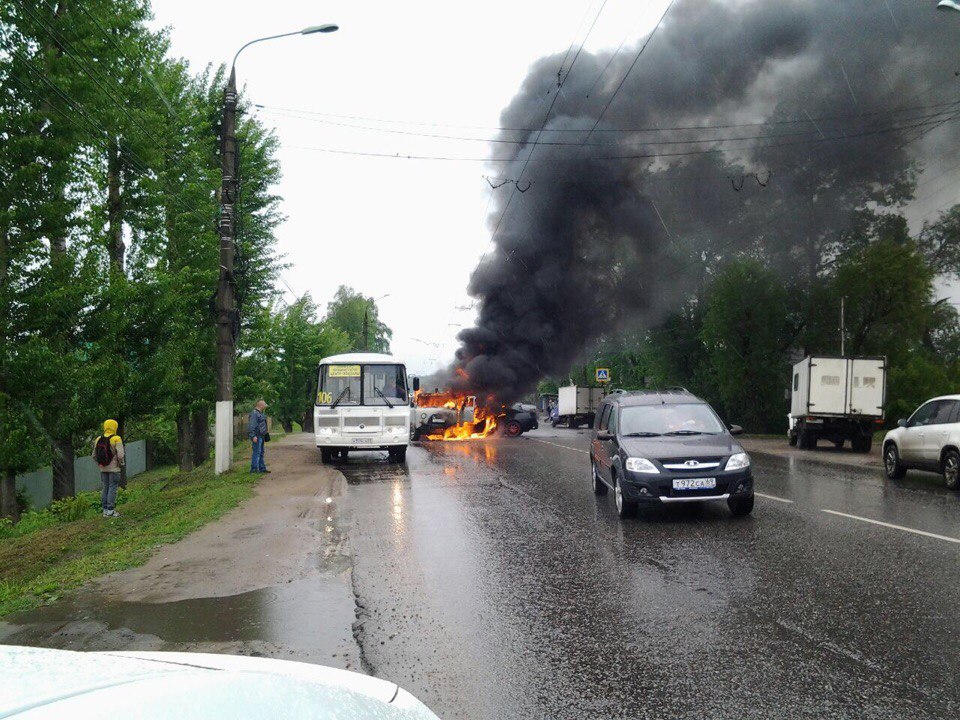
{"points": [[412, 229]]}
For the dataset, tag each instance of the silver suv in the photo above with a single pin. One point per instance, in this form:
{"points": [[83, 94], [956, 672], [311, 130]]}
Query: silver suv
{"points": [[929, 440]]}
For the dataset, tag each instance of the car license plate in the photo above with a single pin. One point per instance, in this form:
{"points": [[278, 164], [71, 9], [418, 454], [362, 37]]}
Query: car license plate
{"points": [[438, 420], [694, 483], [362, 440]]}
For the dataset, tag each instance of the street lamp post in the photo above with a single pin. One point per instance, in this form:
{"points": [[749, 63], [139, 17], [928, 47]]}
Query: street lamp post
{"points": [[228, 319]]}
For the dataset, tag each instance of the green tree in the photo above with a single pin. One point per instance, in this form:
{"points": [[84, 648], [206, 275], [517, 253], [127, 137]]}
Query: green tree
{"points": [[744, 329], [357, 316]]}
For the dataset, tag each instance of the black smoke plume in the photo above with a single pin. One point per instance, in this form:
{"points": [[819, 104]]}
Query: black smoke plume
{"points": [[844, 98]]}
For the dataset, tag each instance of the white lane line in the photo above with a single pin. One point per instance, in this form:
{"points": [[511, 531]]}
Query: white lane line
{"points": [[773, 497], [895, 527], [565, 447]]}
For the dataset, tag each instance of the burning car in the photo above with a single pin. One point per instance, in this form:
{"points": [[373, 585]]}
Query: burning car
{"points": [[433, 413], [455, 416]]}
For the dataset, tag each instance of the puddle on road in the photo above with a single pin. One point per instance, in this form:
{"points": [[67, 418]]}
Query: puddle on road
{"points": [[310, 615]]}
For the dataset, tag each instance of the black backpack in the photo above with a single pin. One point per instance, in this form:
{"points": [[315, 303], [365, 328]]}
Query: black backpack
{"points": [[103, 452]]}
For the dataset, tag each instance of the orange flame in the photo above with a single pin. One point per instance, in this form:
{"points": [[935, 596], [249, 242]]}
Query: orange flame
{"points": [[483, 424]]}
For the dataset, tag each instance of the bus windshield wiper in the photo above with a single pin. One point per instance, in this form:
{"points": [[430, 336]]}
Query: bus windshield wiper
{"points": [[379, 392], [340, 397]]}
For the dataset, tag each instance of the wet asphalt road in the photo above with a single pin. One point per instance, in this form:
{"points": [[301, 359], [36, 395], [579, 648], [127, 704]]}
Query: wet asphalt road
{"points": [[492, 583]]}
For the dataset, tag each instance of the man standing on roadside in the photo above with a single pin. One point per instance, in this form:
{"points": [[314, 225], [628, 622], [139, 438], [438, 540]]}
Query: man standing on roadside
{"points": [[257, 431], [109, 456]]}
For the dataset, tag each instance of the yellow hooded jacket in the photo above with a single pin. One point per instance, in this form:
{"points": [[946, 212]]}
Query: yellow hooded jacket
{"points": [[119, 458]]}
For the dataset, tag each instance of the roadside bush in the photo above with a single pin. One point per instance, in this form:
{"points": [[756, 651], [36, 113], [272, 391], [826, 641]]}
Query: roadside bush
{"points": [[73, 508]]}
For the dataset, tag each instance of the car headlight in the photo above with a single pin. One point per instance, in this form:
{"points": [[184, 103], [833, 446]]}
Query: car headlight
{"points": [[738, 461], [641, 465]]}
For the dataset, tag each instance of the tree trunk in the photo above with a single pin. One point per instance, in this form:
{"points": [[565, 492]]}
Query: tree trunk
{"points": [[184, 440], [287, 425], [307, 422], [63, 475], [8, 495], [115, 246], [201, 435]]}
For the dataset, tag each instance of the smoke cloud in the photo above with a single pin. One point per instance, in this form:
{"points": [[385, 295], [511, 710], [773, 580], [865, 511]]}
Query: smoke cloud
{"points": [[619, 226]]}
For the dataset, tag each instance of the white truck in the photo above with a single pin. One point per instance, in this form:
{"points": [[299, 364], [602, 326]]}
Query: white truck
{"points": [[837, 399], [577, 406]]}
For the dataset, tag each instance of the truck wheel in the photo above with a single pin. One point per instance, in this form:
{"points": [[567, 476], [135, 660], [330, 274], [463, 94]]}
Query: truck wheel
{"points": [[554, 423], [862, 444], [325, 456], [807, 441], [891, 463], [398, 454], [573, 424], [513, 429], [792, 439], [951, 469]]}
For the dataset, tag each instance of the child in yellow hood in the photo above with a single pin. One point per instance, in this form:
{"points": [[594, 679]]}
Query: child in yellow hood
{"points": [[109, 456]]}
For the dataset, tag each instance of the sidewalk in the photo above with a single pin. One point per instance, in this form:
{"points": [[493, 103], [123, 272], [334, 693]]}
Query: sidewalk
{"points": [[271, 577], [825, 452]]}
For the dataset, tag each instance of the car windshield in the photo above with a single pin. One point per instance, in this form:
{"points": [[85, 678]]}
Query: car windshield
{"points": [[685, 419]]}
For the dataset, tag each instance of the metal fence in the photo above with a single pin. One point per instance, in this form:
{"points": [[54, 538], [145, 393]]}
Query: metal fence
{"points": [[38, 485]]}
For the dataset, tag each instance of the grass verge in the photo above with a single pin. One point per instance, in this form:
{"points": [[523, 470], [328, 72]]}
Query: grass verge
{"points": [[54, 551]]}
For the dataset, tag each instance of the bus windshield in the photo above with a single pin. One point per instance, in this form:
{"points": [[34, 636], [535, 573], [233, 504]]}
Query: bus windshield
{"points": [[362, 385]]}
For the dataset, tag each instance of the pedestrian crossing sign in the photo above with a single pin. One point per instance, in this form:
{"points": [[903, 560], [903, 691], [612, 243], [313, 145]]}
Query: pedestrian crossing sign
{"points": [[603, 374]]}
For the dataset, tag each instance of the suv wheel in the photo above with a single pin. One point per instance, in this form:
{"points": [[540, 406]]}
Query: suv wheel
{"points": [[951, 469], [625, 508], [891, 463], [599, 487], [740, 506], [862, 444]]}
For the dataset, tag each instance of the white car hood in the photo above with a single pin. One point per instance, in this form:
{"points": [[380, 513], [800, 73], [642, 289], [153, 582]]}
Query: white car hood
{"points": [[40, 683]]}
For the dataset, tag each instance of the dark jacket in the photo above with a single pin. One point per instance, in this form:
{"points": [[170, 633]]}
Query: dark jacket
{"points": [[257, 427]]}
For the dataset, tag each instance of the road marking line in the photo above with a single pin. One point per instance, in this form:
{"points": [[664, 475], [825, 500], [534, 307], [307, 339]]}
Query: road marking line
{"points": [[565, 447], [895, 527], [773, 497]]}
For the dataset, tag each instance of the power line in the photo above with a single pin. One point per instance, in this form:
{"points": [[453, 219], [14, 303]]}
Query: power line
{"points": [[578, 144], [805, 120], [640, 156], [629, 69]]}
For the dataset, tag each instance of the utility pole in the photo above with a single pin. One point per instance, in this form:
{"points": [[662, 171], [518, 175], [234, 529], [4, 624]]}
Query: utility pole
{"points": [[843, 329], [228, 324], [226, 288]]}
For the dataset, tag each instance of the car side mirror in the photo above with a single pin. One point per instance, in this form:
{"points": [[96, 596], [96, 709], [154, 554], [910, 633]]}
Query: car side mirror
{"points": [[604, 436], [735, 430], [416, 384], [901, 423]]}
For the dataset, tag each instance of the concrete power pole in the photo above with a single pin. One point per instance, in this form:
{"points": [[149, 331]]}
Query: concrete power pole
{"points": [[226, 288]]}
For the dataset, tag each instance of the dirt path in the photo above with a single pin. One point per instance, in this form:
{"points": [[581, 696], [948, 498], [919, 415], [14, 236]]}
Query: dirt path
{"points": [[271, 577], [275, 537]]}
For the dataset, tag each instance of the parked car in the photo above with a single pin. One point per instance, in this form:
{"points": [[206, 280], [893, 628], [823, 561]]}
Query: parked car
{"points": [[663, 447], [928, 440], [42, 683]]}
